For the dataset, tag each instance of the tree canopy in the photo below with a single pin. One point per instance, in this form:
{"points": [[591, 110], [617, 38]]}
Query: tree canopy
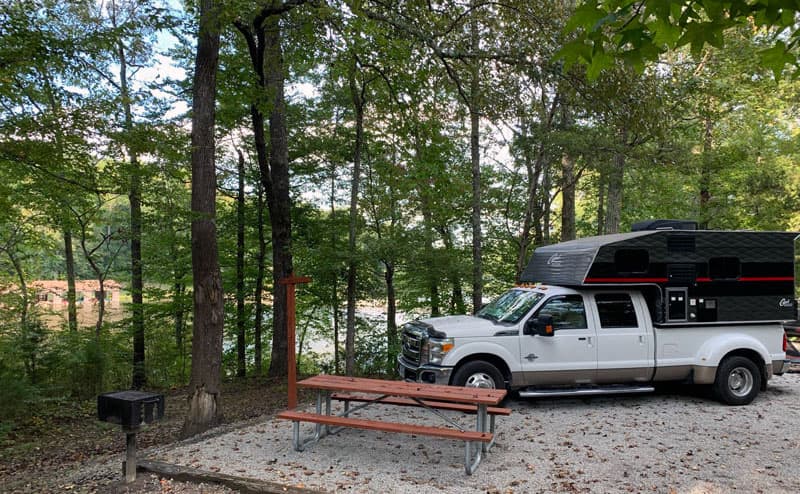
{"points": [[163, 167]]}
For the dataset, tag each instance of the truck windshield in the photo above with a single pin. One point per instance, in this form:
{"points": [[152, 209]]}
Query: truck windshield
{"points": [[511, 306]]}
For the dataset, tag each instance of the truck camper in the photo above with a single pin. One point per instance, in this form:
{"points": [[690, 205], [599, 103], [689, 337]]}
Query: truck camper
{"points": [[618, 313]]}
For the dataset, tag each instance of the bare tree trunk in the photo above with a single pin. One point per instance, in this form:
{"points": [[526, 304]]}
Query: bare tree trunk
{"points": [[335, 284], [568, 183], [23, 286], [705, 173], [457, 305], [241, 358], [601, 195], [567, 198], [205, 409], [545, 222], [139, 378], [259, 293], [69, 257], [392, 340], [534, 172], [357, 95], [474, 118], [614, 193], [432, 275], [99, 276], [178, 289], [280, 211]]}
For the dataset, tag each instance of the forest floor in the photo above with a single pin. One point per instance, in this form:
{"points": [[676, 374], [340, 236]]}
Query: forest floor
{"points": [[42, 450]]}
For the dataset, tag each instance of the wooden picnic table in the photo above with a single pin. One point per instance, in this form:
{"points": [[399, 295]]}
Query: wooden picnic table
{"points": [[431, 397]]}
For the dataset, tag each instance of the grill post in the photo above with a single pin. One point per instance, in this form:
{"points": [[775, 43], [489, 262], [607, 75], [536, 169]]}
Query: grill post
{"points": [[130, 409], [130, 456]]}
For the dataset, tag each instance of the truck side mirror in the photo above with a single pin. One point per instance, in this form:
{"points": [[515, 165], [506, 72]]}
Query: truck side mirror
{"points": [[543, 325]]}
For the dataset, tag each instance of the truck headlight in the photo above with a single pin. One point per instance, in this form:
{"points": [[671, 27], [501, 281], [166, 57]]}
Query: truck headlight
{"points": [[438, 348]]}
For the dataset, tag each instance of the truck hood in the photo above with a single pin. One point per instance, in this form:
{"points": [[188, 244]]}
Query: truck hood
{"points": [[466, 326]]}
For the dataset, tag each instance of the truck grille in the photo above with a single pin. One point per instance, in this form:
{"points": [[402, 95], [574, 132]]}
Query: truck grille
{"points": [[413, 341]]}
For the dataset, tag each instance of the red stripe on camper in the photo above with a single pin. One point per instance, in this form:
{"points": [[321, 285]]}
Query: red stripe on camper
{"points": [[625, 280], [766, 278], [751, 278]]}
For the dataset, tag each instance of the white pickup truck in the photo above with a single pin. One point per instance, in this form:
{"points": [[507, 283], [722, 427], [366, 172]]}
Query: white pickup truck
{"points": [[550, 340]]}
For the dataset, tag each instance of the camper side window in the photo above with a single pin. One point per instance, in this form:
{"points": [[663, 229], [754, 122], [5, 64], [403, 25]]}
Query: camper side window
{"points": [[725, 268], [616, 310], [632, 261], [567, 310]]}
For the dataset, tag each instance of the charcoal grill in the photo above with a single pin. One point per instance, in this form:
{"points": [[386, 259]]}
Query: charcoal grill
{"points": [[130, 409]]}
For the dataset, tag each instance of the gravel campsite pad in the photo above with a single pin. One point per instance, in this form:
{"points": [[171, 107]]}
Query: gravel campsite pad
{"points": [[675, 441]]}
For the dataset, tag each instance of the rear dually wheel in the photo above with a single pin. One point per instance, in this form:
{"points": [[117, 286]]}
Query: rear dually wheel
{"points": [[738, 381]]}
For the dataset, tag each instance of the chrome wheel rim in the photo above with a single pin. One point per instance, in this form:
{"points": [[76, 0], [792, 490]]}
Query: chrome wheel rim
{"points": [[480, 380], [740, 381]]}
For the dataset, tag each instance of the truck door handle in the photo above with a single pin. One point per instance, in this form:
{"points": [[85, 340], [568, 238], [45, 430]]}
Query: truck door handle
{"points": [[582, 338]]}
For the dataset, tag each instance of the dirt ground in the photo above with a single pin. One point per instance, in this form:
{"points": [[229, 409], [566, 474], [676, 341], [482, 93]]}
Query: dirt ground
{"points": [[61, 447], [41, 451]]}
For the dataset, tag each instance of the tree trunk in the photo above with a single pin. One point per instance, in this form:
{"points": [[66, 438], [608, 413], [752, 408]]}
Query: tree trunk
{"points": [[135, 199], [614, 192], [259, 293], [567, 198], [101, 307], [568, 183], [392, 340], [205, 407], [280, 210], [23, 286], [241, 362], [178, 289], [601, 194], [335, 284], [99, 276], [431, 274], [474, 120], [69, 257], [457, 305], [533, 171], [357, 95], [705, 173]]}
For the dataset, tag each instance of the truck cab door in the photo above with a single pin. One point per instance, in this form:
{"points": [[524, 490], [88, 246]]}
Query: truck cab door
{"points": [[567, 357], [625, 346]]}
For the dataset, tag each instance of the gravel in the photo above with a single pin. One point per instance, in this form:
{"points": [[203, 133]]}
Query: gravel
{"points": [[672, 441]]}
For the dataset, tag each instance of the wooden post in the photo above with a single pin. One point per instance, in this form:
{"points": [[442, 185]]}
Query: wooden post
{"points": [[291, 357]]}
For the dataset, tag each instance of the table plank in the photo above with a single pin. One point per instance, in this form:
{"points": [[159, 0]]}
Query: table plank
{"points": [[377, 425], [479, 396]]}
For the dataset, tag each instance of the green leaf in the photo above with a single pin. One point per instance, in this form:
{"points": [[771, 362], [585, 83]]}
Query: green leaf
{"points": [[585, 16], [600, 60], [660, 9], [776, 58], [573, 52], [665, 33]]}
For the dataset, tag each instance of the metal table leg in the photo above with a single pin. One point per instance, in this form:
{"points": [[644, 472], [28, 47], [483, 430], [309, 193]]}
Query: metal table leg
{"points": [[471, 463], [319, 430]]}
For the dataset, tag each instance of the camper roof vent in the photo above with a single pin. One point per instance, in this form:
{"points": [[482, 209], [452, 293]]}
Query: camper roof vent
{"points": [[664, 225]]}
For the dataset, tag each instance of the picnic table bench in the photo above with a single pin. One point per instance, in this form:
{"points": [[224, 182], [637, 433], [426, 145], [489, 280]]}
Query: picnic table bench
{"points": [[482, 402]]}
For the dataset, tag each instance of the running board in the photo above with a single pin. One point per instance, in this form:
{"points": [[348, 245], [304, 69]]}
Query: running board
{"points": [[540, 393]]}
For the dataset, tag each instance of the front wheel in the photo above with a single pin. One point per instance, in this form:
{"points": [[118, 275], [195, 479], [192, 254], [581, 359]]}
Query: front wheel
{"points": [[479, 374], [738, 381]]}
